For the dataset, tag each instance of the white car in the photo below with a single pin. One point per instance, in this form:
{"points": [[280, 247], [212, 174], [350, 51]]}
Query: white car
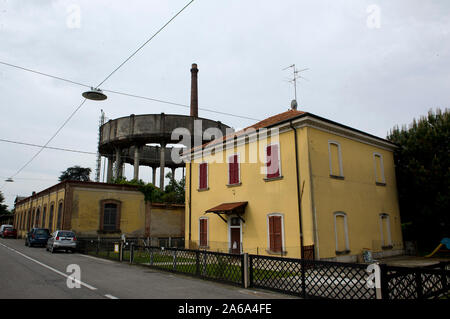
{"points": [[62, 240]]}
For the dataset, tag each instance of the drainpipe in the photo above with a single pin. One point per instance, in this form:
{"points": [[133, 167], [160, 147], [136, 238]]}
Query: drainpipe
{"points": [[302, 253], [189, 203]]}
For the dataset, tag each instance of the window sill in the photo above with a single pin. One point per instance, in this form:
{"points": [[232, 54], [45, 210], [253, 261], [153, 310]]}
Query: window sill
{"points": [[272, 179], [343, 252], [203, 189], [380, 184], [234, 185], [337, 177], [203, 247], [116, 231], [278, 253]]}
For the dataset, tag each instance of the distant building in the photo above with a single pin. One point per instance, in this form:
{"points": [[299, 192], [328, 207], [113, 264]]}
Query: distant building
{"points": [[317, 189], [98, 209]]}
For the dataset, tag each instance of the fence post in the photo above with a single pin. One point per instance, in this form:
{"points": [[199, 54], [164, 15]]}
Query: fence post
{"points": [[419, 288], [174, 260], [302, 265], [197, 262], [250, 266], [97, 248], [131, 253], [383, 292], [245, 273], [121, 252], [151, 256]]}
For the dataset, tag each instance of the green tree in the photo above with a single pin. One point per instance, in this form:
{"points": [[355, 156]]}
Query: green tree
{"points": [[3, 207], [175, 191], [75, 173], [423, 177]]}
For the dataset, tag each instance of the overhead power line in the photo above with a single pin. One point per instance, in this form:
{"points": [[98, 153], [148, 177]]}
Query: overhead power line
{"points": [[48, 147], [131, 94]]}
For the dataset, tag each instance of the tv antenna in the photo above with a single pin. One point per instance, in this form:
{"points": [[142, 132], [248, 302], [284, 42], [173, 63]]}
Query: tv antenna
{"points": [[296, 75]]}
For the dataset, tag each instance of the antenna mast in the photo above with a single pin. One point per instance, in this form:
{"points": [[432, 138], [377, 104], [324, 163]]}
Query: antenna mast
{"points": [[296, 75], [99, 156]]}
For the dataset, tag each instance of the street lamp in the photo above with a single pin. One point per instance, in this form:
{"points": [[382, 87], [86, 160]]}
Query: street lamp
{"points": [[94, 94], [9, 180]]}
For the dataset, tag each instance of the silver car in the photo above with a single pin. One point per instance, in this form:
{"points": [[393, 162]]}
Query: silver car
{"points": [[62, 240]]}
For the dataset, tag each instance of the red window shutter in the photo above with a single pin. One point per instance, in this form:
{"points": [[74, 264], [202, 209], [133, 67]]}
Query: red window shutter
{"points": [[273, 163], [275, 233], [203, 232], [233, 167], [203, 176]]}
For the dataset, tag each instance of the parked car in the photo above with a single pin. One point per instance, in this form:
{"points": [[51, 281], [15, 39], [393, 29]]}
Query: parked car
{"points": [[37, 236], [9, 232], [2, 227], [62, 240]]}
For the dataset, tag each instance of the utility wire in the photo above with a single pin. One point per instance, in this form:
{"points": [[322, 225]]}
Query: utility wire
{"points": [[48, 147], [144, 44], [129, 94]]}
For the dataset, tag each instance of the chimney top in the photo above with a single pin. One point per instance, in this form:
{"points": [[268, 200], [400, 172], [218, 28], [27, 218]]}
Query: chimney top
{"points": [[194, 91], [294, 105]]}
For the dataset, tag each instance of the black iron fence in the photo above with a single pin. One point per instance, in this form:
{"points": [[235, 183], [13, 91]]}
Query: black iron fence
{"points": [[310, 279], [299, 277]]}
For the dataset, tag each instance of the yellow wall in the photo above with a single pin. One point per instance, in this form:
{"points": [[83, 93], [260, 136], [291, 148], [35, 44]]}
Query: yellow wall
{"points": [[356, 194]]}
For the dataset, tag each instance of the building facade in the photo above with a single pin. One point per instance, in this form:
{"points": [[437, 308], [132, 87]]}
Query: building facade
{"points": [[295, 185], [98, 209]]}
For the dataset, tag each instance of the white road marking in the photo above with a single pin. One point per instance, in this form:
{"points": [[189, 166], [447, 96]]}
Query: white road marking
{"points": [[98, 259], [111, 297], [50, 268]]}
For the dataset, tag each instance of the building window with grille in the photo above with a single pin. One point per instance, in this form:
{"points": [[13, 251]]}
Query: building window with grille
{"points": [[379, 169], [203, 232], [50, 217], [110, 216], [341, 233], [275, 233], [203, 176], [44, 213], [233, 170], [335, 160], [273, 169], [37, 222], [385, 229], [59, 217]]}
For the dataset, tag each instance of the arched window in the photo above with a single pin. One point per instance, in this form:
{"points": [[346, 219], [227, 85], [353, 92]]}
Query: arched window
{"points": [[37, 221], [379, 169], [335, 159], [341, 233], [59, 218], [385, 230], [50, 217], [44, 213], [110, 215]]}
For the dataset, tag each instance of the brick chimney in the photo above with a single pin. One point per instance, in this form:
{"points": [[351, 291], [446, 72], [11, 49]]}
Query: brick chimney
{"points": [[194, 91]]}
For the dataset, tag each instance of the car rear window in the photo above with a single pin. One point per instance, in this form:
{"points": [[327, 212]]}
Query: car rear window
{"points": [[42, 232], [66, 234], [9, 228]]}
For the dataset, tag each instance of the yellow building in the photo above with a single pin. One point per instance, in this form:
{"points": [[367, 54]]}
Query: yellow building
{"points": [[98, 209], [294, 180]]}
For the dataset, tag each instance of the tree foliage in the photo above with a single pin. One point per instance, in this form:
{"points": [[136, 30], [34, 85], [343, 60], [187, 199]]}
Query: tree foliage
{"points": [[173, 192], [423, 177], [76, 173], [3, 207]]}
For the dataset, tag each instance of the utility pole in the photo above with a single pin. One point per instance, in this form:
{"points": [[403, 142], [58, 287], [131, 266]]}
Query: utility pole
{"points": [[99, 156]]}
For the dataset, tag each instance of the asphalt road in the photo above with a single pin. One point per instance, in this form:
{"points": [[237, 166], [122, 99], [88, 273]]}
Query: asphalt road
{"points": [[31, 272]]}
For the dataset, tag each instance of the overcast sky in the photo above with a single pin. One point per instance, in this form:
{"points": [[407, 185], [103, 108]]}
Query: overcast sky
{"points": [[372, 65]]}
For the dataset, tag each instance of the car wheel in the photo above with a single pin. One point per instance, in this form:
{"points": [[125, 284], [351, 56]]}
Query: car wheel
{"points": [[52, 250], [26, 243], [46, 248]]}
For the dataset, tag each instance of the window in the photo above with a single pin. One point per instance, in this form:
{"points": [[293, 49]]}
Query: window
{"points": [[275, 227], [379, 169], [335, 158], [110, 215], [38, 215], [385, 229], [273, 161], [341, 233], [203, 232], [59, 218], [50, 217], [43, 216], [233, 170], [203, 176], [32, 221]]}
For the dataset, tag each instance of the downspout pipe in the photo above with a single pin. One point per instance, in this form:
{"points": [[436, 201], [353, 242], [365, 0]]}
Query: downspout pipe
{"points": [[299, 203], [189, 203]]}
